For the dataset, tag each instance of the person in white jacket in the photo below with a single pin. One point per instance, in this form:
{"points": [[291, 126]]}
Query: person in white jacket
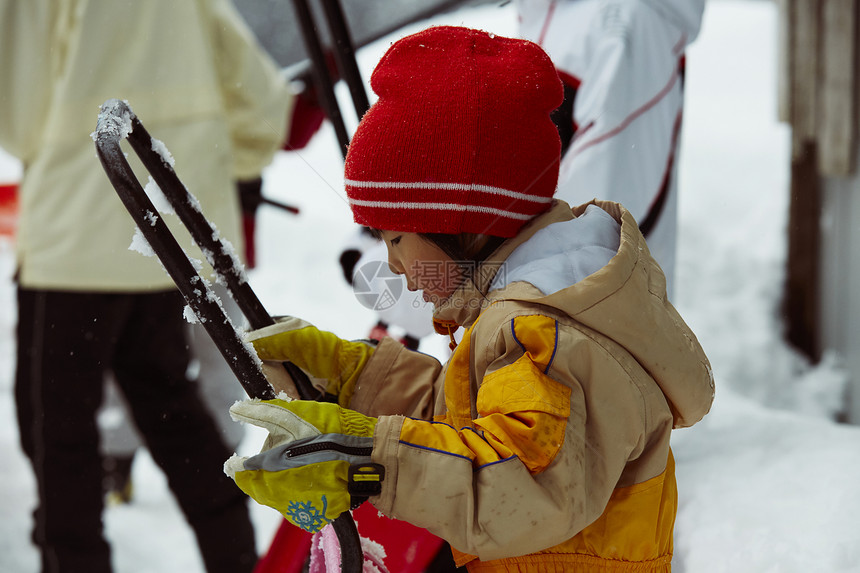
{"points": [[622, 62], [87, 305]]}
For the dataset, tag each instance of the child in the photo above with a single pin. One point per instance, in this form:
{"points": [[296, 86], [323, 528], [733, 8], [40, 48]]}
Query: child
{"points": [[543, 443]]}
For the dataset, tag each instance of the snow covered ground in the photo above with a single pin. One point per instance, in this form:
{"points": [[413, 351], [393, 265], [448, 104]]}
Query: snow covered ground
{"points": [[766, 482]]}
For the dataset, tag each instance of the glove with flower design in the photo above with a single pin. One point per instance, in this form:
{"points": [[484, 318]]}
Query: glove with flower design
{"points": [[315, 463], [325, 357]]}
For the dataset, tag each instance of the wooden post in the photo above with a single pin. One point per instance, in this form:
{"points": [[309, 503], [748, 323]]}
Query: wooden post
{"points": [[801, 298], [837, 126], [818, 96], [804, 27]]}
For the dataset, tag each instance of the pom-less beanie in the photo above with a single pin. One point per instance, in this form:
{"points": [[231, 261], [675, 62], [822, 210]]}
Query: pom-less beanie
{"points": [[460, 139]]}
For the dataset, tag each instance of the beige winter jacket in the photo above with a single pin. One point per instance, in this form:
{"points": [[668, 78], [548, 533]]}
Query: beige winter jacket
{"points": [[549, 449], [193, 74]]}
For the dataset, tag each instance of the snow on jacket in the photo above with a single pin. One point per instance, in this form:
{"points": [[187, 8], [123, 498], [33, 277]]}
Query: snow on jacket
{"points": [[193, 74], [548, 448]]}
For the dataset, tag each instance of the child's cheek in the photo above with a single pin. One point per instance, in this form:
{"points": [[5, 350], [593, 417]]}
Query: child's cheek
{"points": [[439, 278]]}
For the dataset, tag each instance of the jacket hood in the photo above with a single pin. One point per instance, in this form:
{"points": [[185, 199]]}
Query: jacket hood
{"points": [[594, 266]]}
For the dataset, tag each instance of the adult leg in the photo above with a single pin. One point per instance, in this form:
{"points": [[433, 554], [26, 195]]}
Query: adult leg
{"points": [[150, 366], [119, 443], [62, 342]]}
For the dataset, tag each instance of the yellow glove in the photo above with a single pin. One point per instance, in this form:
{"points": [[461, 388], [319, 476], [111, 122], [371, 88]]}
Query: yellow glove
{"points": [[315, 463], [321, 354]]}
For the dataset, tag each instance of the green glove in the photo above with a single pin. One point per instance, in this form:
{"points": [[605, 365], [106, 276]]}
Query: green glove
{"points": [[315, 463], [321, 354]]}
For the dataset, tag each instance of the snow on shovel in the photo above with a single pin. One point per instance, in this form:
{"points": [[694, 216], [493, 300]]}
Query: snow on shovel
{"points": [[117, 121]]}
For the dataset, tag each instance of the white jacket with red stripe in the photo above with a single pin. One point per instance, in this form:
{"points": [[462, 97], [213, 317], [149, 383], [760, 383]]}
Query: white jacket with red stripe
{"points": [[625, 60]]}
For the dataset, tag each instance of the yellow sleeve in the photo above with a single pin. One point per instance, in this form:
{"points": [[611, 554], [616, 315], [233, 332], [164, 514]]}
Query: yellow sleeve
{"points": [[522, 411], [494, 489]]}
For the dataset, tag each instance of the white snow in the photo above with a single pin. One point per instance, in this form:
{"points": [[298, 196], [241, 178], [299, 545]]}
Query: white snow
{"points": [[161, 149], [156, 195], [139, 243], [110, 123], [766, 482], [188, 315]]}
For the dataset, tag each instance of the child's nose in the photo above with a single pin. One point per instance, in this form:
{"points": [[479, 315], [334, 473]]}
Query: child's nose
{"points": [[394, 267]]}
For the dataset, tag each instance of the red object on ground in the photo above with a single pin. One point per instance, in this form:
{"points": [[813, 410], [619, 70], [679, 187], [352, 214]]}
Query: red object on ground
{"points": [[288, 552], [8, 209], [408, 549]]}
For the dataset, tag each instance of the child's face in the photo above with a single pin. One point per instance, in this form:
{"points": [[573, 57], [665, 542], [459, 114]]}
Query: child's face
{"points": [[424, 265]]}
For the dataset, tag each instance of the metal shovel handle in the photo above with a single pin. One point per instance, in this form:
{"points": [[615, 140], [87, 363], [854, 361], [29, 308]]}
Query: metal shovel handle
{"points": [[116, 122]]}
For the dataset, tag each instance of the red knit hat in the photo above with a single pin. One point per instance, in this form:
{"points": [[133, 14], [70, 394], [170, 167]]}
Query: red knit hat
{"points": [[460, 139]]}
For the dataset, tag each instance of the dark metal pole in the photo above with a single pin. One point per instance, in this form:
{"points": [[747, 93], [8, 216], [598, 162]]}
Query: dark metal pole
{"points": [[416, 17], [279, 205], [117, 121], [345, 55], [222, 259], [320, 72], [114, 123]]}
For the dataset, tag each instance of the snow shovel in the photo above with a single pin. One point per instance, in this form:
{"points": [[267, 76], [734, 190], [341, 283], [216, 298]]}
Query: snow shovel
{"points": [[117, 121]]}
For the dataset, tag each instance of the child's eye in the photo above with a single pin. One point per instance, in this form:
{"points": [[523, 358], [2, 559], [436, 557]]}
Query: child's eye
{"points": [[395, 240]]}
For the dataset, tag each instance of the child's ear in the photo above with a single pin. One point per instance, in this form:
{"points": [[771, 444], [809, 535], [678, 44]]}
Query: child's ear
{"points": [[482, 246]]}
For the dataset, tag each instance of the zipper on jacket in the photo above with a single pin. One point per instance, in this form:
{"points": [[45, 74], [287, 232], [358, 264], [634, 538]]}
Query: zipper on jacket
{"points": [[321, 446]]}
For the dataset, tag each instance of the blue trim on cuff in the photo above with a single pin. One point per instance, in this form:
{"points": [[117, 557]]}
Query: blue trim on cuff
{"points": [[429, 449], [496, 462], [554, 344], [514, 334], [423, 421], [554, 349]]}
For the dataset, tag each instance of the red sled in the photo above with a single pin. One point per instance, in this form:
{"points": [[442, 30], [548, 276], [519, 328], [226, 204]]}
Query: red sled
{"points": [[408, 549]]}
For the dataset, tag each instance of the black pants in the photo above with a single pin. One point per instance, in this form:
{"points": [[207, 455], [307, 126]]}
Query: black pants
{"points": [[66, 342]]}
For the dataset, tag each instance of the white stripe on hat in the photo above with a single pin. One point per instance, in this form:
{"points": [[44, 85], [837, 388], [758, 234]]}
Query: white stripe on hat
{"points": [[446, 187], [440, 207]]}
